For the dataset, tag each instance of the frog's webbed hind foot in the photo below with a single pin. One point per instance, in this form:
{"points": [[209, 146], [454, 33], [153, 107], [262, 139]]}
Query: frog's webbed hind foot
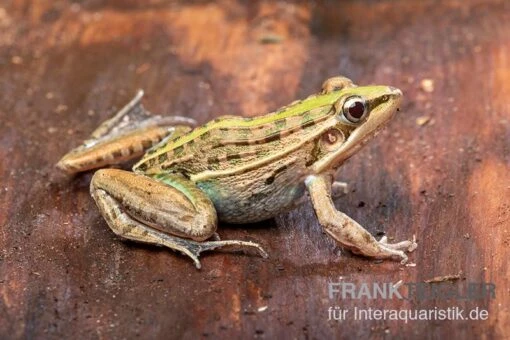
{"points": [[125, 136], [193, 249]]}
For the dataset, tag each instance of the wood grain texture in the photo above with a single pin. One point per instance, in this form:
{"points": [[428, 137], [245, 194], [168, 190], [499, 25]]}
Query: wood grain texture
{"points": [[64, 65]]}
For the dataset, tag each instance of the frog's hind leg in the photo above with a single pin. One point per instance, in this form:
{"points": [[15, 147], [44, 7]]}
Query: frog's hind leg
{"points": [[169, 211], [125, 136]]}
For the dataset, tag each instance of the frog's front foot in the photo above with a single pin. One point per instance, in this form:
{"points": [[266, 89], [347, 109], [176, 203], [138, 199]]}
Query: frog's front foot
{"points": [[348, 232], [386, 250], [408, 245]]}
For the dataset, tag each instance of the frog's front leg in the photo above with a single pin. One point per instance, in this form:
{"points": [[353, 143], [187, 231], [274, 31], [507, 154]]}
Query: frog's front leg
{"points": [[125, 136], [345, 230], [169, 211]]}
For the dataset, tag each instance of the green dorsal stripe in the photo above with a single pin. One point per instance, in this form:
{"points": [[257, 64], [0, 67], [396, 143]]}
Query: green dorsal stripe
{"points": [[310, 103]]}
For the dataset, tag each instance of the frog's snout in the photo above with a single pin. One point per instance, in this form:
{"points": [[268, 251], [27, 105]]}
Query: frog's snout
{"points": [[397, 96], [395, 91]]}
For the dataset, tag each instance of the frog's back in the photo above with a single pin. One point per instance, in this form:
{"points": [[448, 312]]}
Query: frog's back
{"points": [[231, 143]]}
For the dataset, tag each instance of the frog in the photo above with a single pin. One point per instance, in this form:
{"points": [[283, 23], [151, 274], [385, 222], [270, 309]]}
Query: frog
{"points": [[235, 169]]}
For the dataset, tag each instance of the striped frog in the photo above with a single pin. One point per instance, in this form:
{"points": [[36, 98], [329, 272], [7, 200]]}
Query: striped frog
{"points": [[235, 169]]}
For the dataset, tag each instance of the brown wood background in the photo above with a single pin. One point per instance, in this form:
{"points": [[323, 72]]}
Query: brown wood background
{"points": [[65, 65]]}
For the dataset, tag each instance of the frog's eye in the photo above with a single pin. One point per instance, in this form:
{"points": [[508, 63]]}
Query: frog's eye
{"points": [[354, 109]]}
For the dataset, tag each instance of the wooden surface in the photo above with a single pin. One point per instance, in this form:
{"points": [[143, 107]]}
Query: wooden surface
{"points": [[65, 65]]}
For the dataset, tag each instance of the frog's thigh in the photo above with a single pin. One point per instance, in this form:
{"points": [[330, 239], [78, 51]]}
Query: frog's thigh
{"points": [[347, 231], [142, 209], [123, 195]]}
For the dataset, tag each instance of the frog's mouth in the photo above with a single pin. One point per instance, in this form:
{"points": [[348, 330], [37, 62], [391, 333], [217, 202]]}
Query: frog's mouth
{"points": [[378, 118]]}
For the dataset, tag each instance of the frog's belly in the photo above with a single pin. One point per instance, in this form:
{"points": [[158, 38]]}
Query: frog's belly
{"points": [[253, 196]]}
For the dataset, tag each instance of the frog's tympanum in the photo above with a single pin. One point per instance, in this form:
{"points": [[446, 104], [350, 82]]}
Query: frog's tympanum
{"points": [[235, 169]]}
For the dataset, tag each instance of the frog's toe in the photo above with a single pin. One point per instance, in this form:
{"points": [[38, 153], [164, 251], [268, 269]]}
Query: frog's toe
{"points": [[234, 244], [262, 252], [193, 249], [339, 189], [403, 258], [195, 259], [408, 245]]}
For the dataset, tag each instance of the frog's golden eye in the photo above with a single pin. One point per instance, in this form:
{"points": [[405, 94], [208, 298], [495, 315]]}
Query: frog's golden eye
{"points": [[354, 109]]}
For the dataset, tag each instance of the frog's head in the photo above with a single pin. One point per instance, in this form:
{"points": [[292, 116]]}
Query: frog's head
{"points": [[360, 113]]}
